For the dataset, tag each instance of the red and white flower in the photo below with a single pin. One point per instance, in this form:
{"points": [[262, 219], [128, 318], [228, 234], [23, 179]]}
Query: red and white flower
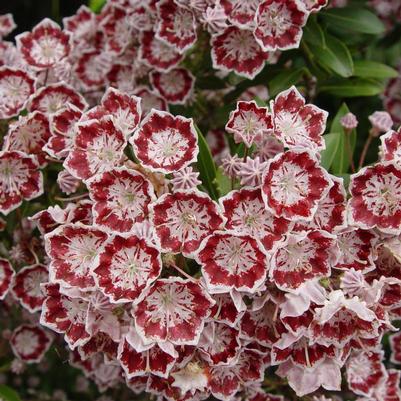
{"points": [[294, 184], [279, 24], [365, 370], [126, 267], [7, 24], [175, 86], [30, 343], [64, 314], [232, 261], [121, 198], [304, 256], [150, 100], [305, 381], [241, 13], [125, 109], [82, 24], [183, 219], [26, 288], [391, 146], [172, 310], [20, 179], [137, 364], [92, 68], [176, 25], [341, 319], [262, 325], [331, 212], [314, 5], [29, 134], [7, 275], [45, 46], [63, 130], [357, 250], [52, 98], [98, 147], [376, 198], [165, 143], [246, 214], [16, 86], [225, 311], [249, 123], [236, 50], [73, 249], [157, 54], [225, 381], [117, 28], [219, 343], [395, 343], [297, 124]]}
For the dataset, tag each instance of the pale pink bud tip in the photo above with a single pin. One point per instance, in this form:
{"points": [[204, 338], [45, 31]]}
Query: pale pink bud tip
{"points": [[349, 121], [381, 121]]}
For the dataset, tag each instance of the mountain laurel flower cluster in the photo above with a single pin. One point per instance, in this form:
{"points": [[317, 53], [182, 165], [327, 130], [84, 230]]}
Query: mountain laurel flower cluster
{"points": [[236, 264]]}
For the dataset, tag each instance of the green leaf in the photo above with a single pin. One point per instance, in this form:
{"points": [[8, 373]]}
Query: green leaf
{"points": [[284, 80], [96, 5], [354, 19], [206, 166], [346, 178], [335, 56], [8, 394], [313, 33], [260, 102], [342, 157], [373, 69], [223, 182], [352, 87], [332, 141]]}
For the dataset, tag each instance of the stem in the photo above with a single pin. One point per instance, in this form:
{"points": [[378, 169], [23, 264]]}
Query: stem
{"points": [[349, 151], [365, 151], [246, 154], [34, 254], [72, 197], [46, 77], [185, 274]]}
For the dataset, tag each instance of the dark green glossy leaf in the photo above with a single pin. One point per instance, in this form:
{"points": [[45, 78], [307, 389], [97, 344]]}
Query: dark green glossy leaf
{"points": [[335, 56], [284, 80], [354, 19], [332, 141], [313, 33], [373, 69], [342, 157], [353, 87], [206, 166]]}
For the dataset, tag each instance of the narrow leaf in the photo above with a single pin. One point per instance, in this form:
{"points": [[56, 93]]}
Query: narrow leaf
{"points": [[206, 166], [373, 69], [354, 20], [8, 394], [313, 33], [284, 80], [352, 87], [335, 57], [332, 141], [223, 182], [342, 157]]}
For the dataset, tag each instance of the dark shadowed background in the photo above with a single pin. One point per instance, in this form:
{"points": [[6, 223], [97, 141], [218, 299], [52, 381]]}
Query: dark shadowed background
{"points": [[27, 13]]}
